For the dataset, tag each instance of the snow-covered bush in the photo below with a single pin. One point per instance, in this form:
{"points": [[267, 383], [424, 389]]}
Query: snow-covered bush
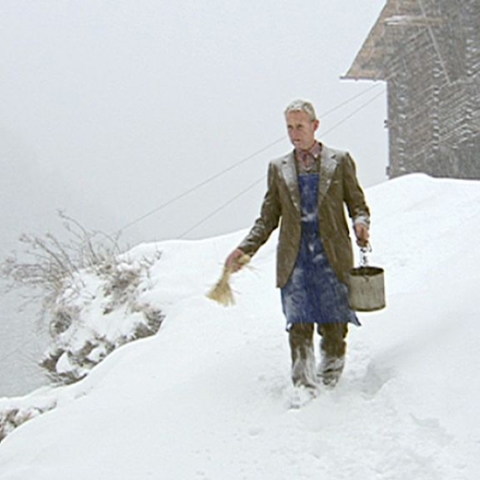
{"points": [[96, 317], [12, 416], [89, 295]]}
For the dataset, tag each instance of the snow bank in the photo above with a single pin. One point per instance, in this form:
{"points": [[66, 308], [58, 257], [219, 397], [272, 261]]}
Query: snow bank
{"points": [[208, 397]]}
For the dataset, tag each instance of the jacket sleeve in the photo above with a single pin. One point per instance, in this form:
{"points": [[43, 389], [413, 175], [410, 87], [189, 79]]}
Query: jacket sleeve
{"points": [[353, 194], [269, 217]]}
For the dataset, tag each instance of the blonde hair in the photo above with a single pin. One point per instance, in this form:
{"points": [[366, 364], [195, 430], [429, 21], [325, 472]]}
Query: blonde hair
{"points": [[302, 106]]}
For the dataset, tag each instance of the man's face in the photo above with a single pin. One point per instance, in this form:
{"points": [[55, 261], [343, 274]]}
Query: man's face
{"points": [[301, 129]]}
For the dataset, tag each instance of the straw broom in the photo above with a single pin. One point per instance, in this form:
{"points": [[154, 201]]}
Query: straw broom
{"points": [[221, 292]]}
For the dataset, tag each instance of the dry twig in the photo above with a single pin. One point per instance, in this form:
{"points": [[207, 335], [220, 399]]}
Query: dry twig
{"points": [[222, 292]]}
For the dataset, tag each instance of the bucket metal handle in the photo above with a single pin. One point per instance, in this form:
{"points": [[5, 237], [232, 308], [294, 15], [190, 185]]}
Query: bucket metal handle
{"points": [[364, 253]]}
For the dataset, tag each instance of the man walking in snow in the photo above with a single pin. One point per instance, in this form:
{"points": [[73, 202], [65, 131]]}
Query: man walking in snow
{"points": [[307, 190]]}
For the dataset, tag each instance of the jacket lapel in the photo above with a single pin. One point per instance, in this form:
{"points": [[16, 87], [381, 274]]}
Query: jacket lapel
{"points": [[328, 164], [289, 172]]}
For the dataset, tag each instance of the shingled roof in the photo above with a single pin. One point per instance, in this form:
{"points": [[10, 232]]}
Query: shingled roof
{"points": [[369, 62]]}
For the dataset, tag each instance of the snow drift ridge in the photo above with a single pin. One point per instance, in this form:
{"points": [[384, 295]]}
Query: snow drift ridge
{"points": [[207, 398]]}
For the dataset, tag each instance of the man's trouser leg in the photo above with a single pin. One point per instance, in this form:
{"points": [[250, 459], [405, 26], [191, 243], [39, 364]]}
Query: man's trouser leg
{"points": [[303, 354], [333, 347]]}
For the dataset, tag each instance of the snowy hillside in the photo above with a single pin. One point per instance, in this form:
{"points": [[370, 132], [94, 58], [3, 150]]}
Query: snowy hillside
{"points": [[208, 396]]}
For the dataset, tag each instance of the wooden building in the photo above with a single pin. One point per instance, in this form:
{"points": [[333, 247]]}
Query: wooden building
{"points": [[428, 52]]}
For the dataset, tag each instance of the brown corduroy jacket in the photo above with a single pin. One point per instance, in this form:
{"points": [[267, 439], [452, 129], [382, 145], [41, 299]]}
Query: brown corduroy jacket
{"points": [[338, 186]]}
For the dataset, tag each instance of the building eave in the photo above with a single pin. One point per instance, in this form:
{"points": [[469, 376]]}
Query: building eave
{"points": [[370, 60]]}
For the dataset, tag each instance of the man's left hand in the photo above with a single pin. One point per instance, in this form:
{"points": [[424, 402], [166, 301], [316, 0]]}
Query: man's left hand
{"points": [[362, 234]]}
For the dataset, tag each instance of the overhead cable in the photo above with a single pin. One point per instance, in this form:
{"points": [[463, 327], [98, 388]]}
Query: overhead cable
{"points": [[231, 200], [242, 161]]}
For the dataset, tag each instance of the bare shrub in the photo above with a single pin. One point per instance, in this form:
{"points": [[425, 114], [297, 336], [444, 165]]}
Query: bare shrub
{"points": [[47, 266], [56, 272]]}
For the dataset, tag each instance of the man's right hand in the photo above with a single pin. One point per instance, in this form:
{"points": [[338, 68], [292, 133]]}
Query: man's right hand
{"points": [[232, 261]]}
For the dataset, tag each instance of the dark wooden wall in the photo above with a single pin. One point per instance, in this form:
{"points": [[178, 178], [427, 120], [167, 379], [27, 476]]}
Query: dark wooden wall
{"points": [[432, 69]]}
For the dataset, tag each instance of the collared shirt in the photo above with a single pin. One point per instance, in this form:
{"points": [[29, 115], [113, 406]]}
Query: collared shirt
{"points": [[308, 161]]}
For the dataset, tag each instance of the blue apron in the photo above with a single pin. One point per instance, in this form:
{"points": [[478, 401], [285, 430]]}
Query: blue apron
{"points": [[314, 294]]}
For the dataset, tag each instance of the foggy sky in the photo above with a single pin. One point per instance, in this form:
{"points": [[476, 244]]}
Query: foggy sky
{"points": [[116, 107]]}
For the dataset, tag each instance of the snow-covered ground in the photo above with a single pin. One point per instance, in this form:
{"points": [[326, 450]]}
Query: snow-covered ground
{"points": [[208, 397]]}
